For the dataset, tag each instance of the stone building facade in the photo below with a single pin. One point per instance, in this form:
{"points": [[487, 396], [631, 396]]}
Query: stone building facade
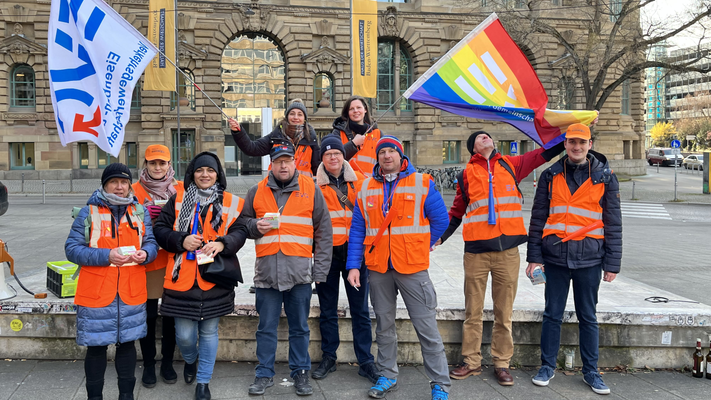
{"points": [[263, 54]]}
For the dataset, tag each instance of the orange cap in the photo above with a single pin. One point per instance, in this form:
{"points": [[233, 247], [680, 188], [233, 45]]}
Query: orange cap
{"points": [[579, 131], [157, 152]]}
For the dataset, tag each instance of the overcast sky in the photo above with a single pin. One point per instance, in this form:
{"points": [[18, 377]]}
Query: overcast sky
{"points": [[670, 11]]}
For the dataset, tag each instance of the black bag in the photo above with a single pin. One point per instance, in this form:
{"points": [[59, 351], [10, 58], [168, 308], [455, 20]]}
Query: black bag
{"points": [[221, 272]]}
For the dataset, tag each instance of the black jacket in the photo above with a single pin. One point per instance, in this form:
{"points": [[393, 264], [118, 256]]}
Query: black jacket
{"points": [[195, 303], [340, 124], [588, 252], [262, 146]]}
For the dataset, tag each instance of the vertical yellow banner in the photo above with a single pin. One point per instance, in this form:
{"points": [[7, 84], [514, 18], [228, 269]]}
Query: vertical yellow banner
{"points": [[364, 36], [160, 73]]}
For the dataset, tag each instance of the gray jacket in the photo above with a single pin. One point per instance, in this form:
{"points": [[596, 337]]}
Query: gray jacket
{"points": [[282, 272]]}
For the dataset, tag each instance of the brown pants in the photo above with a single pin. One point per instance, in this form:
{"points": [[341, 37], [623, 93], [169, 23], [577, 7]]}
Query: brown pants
{"points": [[503, 266]]}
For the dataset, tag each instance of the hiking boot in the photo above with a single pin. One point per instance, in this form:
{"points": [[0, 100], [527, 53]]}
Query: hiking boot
{"points": [[260, 385], [463, 371], [369, 371], [544, 375], [382, 387], [503, 376], [301, 383], [149, 376], [439, 394], [326, 366], [594, 380]]}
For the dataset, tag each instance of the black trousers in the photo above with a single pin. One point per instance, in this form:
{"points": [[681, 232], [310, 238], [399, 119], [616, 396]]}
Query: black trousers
{"points": [[95, 366], [148, 343]]}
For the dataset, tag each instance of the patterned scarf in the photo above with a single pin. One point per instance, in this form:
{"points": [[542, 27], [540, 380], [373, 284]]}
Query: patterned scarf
{"points": [[160, 189], [211, 195]]}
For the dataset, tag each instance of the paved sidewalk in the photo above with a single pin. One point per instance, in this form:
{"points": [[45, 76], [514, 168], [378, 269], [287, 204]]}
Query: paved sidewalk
{"points": [[55, 380]]}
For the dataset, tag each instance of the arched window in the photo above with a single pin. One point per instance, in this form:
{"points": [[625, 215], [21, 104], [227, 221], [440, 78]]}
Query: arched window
{"points": [[186, 90], [22, 86], [323, 92], [394, 75], [566, 93]]}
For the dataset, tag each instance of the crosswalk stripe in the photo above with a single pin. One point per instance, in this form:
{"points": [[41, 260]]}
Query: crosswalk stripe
{"points": [[644, 210]]}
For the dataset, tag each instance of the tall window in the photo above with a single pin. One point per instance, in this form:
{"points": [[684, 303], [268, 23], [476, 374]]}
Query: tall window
{"points": [[131, 155], [136, 97], [22, 86], [566, 93], [186, 90], [625, 98], [323, 92], [450, 151], [103, 158], [83, 155], [615, 9], [394, 75], [22, 156]]}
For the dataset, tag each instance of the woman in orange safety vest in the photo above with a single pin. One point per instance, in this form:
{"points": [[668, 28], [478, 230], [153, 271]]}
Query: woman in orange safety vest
{"points": [[112, 241], [359, 140], [156, 184]]}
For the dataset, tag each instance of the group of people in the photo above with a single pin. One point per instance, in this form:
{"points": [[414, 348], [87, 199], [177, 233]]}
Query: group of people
{"points": [[351, 208]]}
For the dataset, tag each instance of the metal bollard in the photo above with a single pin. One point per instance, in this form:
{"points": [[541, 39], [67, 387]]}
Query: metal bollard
{"points": [[657, 167], [43, 191], [633, 183], [22, 187], [71, 182]]}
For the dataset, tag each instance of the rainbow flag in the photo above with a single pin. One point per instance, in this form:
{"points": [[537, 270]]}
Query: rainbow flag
{"points": [[486, 76]]}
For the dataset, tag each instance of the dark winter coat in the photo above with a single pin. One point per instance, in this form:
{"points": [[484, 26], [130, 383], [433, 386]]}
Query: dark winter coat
{"points": [[197, 304], [341, 125], [262, 146], [588, 252], [118, 322]]}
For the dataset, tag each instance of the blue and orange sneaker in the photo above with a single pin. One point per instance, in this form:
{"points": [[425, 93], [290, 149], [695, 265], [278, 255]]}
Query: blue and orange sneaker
{"points": [[382, 387]]}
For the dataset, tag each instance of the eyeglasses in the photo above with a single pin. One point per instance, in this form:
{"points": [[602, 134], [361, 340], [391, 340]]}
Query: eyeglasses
{"points": [[283, 162], [335, 154]]}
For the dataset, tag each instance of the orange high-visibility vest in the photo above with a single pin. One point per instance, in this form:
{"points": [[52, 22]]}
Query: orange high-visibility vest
{"points": [[568, 213], [340, 214], [509, 218], [231, 209], [365, 159], [302, 158], [407, 241], [98, 286], [143, 197], [295, 235]]}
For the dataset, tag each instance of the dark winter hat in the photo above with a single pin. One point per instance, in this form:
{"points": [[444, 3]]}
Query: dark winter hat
{"points": [[205, 161], [472, 139], [389, 141], [332, 142], [299, 105], [282, 149], [115, 170]]}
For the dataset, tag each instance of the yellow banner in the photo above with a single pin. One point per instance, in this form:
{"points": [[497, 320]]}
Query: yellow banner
{"points": [[160, 73], [364, 35]]}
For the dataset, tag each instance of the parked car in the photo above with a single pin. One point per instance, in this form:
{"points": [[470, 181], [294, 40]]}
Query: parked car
{"points": [[663, 157], [3, 199], [694, 161]]}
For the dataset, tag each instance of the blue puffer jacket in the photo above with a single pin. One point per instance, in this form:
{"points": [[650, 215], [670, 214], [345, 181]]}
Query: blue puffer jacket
{"points": [[434, 209], [117, 322]]}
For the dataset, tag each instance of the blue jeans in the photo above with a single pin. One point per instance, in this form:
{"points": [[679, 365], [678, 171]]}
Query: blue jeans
{"points": [[297, 302], [186, 335], [358, 303], [586, 282]]}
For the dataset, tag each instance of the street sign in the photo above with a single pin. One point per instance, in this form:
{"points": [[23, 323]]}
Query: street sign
{"points": [[676, 151], [690, 137], [514, 148], [675, 144]]}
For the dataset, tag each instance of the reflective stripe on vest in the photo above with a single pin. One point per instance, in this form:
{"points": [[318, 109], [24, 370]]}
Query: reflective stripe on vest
{"points": [[365, 159], [341, 215], [507, 204], [144, 197], [569, 213], [407, 241], [294, 237], [231, 209], [97, 286]]}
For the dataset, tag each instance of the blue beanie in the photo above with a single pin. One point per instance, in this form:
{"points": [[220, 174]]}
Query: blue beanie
{"points": [[332, 142]]}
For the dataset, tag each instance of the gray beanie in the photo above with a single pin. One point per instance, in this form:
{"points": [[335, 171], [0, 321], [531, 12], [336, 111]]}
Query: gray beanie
{"points": [[298, 104]]}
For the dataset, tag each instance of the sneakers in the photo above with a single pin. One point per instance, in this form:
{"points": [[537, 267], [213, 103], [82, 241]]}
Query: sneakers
{"points": [[260, 385], [594, 380], [148, 379], [439, 394], [369, 371], [382, 387], [301, 383], [326, 366], [544, 375]]}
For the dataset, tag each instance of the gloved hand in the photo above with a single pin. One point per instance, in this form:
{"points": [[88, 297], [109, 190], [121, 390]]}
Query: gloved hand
{"points": [[154, 211]]}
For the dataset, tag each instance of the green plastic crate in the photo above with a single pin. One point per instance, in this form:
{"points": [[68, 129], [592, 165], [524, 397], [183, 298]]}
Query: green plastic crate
{"points": [[60, 278]]}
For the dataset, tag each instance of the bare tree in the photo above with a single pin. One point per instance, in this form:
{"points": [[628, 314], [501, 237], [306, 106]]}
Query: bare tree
{"points": [[611, 46]]}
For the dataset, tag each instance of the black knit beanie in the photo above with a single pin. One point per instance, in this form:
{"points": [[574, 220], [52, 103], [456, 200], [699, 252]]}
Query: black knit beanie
{"points": [[472, 139]]}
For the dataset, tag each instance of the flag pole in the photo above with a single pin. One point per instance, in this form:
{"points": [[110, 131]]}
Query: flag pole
{"points": [[383, 114], [177, 80]]}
